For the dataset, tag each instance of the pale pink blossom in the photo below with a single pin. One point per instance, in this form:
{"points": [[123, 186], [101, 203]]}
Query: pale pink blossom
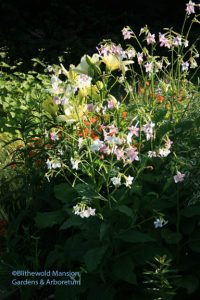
{"points": [[151, 38], [139, 58], [190, 8], [164, 41], [54, 136], [179, 177], [127, 33], [132, 153], [149, 67], [134, 130], [119, 154]]}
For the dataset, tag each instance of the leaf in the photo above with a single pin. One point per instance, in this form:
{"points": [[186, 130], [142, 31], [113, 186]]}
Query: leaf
{"points": [[49, 219], [122, 269], [189, 282], [73, 221], [133, 236], [125, 210], [101, 292], [191, 211], [64, 192], [170, 236], [93, 257], [103, 230]]}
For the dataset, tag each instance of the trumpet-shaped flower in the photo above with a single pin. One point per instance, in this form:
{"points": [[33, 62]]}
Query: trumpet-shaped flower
{"points": [[116, 181], [139, 58], [190, 8], [148, 129], [132, 154], [164, 41], [74, 163], [179, 177], [149, 67], [177, 41], [159, 223], [151, 38], [129, 181], [127, 33], [185, 66]]}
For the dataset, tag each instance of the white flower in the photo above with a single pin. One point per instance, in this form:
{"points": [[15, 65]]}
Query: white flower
{"points": [[56, 164], [74, 163], [49, 166], [116, 181], [83, 81], [129, 181], [158, 223], [96, 145], [53, 164], [177, 41], [148, 129], [186, 43], [149, 67], [129, 138], [185, 66], [151, 154], [163, 152], [80, 142], [84, 211], [179, 177]]}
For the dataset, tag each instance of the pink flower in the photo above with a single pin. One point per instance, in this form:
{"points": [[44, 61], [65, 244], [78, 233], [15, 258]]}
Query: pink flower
{"points": [[117, 49], [140, 58], [119, 153], [132, 153], [113, 130], [164, 41], [151, 38], [149, 67], [54, 136], [90, 107], [127, 33], [179, 177], [168, 144], [190, 8], [134, 130]]}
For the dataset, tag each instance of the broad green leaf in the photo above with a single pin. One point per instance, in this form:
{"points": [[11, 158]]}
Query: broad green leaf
{"points": [[133, 236], [73, 221], [64, 192], [189, 282], [191, 211], [49, 219], [122, 269], [170, 236], [93, 257], [125, 210]]}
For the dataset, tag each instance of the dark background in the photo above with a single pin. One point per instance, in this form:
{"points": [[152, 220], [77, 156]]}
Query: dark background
{"points": [[57, 26]]}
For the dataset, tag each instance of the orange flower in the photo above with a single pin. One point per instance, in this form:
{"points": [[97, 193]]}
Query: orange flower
{"points": [[124, 114], [159, 98]]}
